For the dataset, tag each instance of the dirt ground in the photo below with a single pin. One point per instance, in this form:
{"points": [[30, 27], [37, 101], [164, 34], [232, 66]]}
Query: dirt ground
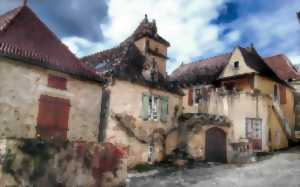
{"points": [[281, 169]]}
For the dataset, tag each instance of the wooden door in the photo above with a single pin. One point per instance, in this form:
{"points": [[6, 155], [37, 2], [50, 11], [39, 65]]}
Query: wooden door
{"points": [[215, 145], [53, 117]]}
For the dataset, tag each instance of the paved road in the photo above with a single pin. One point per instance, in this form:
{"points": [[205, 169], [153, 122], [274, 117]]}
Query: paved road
{"points": [[280, 170]]}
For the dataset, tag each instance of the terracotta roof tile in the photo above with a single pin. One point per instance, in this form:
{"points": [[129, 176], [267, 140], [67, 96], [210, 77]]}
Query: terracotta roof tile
{"points": [[281, 65], [202, 71], [24, 37]]}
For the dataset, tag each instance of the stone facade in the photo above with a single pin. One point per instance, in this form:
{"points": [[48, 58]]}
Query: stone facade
{"points": [[126, 127], [21, 88], [34, 162]]}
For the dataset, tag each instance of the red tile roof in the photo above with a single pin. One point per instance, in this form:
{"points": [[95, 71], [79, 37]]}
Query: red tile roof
{"points": [[202, 71], [207, 71], [281, 65], [23, 36]]}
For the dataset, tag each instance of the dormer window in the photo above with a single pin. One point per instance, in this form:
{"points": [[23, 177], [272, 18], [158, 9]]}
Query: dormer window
{"points": [[236, 65]]}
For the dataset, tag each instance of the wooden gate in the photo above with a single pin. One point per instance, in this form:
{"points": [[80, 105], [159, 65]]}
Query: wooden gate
{"points": [[215, 145]]}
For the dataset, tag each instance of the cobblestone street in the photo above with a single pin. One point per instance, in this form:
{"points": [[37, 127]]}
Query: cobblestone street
{"points": [[282, 169]]}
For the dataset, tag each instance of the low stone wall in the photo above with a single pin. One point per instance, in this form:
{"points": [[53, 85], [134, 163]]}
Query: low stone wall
{"points": [[35, 162]]}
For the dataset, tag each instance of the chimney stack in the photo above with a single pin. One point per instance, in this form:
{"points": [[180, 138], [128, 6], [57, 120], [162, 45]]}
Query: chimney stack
{"points": [[24, 2]]}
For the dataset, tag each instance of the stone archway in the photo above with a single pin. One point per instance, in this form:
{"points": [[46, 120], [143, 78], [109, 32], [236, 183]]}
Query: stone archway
{"points": [[215, 145]]}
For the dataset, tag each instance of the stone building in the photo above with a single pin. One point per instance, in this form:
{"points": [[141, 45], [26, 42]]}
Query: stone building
{"points": [[251, 91], [141, 106], [45, 90], [47, 96]]}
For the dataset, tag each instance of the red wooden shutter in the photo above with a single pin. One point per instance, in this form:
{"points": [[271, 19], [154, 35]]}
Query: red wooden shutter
{"points": [[190, 97], [53, 117], [282, 94], [57, 82]]}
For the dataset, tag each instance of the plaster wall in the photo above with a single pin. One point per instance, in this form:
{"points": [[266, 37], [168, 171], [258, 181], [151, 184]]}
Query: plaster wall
{"points": [[126, 99], [230, 70], [162, 49], [21, 86]]}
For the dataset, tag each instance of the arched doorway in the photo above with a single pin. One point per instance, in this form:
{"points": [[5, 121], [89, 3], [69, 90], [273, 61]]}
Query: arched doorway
{"points": [[215, 145]]}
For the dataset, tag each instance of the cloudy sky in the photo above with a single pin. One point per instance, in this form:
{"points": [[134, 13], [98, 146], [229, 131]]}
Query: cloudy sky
{"points": [[196, 29]]}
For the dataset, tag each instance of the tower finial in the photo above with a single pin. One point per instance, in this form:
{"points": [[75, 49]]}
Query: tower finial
{"points": [[24, 2]]}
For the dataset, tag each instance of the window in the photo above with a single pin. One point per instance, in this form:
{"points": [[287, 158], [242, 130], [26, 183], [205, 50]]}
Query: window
{"points": [[57, 82], [151, 153], [236, 64], [197, 95], [276, 93], [155, 107], [254, 132], [53, 117]]}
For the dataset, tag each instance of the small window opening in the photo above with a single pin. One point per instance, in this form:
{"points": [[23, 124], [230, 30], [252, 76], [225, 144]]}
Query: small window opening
{"points": [[236, 64]]}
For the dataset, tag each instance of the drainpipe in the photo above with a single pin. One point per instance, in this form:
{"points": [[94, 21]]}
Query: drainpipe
{"points": [[104, 113]]}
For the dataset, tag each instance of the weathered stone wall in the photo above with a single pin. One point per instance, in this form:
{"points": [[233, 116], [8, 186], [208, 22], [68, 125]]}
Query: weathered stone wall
{"points": [[126, 127], [237, 107], [243, 68], [162, 49], [34, 162], [196, 144], [21, 86]]}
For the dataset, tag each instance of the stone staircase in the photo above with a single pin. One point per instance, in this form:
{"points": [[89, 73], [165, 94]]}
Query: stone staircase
{"points": [[297, 114], [283, 121]]}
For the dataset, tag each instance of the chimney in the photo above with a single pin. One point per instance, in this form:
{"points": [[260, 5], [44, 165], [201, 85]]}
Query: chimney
{"points": [[24, 3], [298, 15]]}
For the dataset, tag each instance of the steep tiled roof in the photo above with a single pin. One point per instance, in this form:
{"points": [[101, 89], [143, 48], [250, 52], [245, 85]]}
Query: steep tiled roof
{"points": [[207, 71], [126, 62], [202, 71], [25, 38], [149, 29], [281, 65]]}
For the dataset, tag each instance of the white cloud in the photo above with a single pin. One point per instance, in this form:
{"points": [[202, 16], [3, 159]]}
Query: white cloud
{"points": [[185, 23], [81, 46], [273, 32]]}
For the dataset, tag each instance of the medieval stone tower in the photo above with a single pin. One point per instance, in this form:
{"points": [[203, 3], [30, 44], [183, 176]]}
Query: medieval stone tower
{"points": [[151, 45]]}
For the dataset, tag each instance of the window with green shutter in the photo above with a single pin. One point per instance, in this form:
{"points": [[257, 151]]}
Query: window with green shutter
{"points": [[164, 108], [145, 106]]}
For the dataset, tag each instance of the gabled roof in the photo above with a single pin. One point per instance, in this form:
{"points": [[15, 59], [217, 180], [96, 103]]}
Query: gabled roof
{"points": [[148, 29], [24, 37], [281, 65], [126, 62], [207, 71], [257, 63], [122, 61], [202, 71]]}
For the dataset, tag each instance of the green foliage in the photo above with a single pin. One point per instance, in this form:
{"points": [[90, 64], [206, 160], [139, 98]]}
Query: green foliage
{"points": [[143, 167], [8, 161], [36, 148], [39, 151]]}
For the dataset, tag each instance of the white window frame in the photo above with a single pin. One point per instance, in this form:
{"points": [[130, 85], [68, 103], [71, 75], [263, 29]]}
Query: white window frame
{"points": [[154, 107], [194, 95], [255, 128], [151, 152]]}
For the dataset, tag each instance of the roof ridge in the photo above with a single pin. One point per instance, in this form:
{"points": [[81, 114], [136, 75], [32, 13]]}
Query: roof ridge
{"points": [[208, 58], [103, 51], [14, 13]]}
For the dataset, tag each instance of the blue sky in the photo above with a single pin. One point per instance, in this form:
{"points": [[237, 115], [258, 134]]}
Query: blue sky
{"points": [[196, 29]]}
